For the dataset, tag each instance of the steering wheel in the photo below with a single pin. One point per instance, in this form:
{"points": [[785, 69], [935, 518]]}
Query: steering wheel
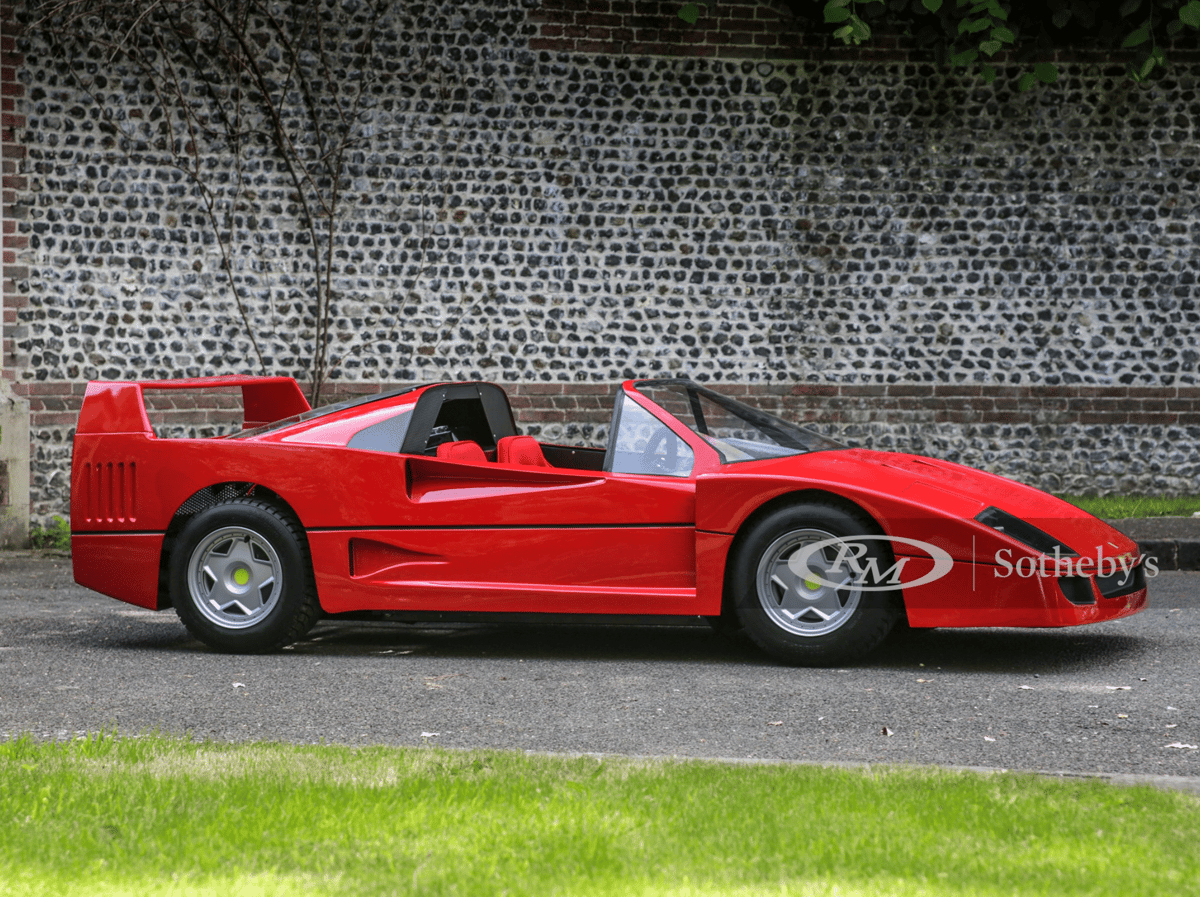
{"points": [[652, 461]]}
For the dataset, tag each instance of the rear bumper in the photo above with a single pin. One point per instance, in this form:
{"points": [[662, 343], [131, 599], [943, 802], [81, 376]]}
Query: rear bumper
{"points": [[121, 565]]}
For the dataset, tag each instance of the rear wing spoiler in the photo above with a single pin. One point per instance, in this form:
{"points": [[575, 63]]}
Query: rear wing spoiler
{"points": [[120, 407]]}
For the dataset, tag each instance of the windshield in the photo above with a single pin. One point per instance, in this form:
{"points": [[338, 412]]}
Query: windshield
{"points": [[738, 432], [320, 412]]}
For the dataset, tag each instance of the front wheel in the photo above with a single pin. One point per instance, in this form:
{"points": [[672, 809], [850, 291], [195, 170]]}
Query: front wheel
{"points": [[240, 578], [806, 592]]}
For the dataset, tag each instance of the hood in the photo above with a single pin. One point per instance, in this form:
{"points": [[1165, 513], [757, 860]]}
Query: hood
{"points": [[955, 490]]}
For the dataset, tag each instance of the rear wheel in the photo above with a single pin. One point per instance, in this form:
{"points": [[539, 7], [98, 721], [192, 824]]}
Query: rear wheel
{"points": [[811, 604], [241, 578]]}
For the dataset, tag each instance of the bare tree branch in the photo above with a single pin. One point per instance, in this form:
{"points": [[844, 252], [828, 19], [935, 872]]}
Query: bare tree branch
{"points": [[240, 81]]}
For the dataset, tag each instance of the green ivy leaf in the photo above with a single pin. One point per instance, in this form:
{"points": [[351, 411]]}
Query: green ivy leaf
{"points": [[932, 5], [1129, 7], [989, 7], [1138, 37], [1027, 81], [1004, 34], [991, 47], [979, 25], [988, 74], [843, 34], [1046, 72], [966, 57], [690, 13], [836, 13], [1190, 14], [862, 31], [1061, 18], [1174, 27]]}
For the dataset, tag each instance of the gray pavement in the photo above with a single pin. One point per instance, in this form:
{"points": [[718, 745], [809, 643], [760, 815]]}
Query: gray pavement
{"points": [[1117, 698]]}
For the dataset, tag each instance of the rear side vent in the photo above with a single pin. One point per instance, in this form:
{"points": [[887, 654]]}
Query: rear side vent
{"points": [[111, 492]]}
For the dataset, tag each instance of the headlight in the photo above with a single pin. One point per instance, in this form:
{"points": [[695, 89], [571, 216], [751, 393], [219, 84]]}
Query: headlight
{"points": [[1023, 532]]}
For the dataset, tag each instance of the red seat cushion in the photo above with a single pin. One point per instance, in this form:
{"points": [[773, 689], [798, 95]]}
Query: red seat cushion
{"points": [[465, 452], [522, 450]]}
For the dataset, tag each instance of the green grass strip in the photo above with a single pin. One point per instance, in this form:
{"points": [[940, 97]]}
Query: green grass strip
{"points": [[1111, 507], [157, 815]]}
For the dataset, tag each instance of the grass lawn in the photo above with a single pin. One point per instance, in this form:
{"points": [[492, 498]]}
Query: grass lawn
{"points": [[157, 815], [1111, 507]]}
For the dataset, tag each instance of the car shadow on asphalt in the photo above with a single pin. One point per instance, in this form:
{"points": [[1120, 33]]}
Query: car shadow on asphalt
{"points": [[1008, 650], [516, 641], [962, 650], [951, 650]]}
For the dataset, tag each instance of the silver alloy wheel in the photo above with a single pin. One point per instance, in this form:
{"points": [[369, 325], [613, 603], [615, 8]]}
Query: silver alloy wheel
{"points": [[234, 577], [803, 605]]}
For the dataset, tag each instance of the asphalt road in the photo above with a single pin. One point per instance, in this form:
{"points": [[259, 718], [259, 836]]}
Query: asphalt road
{"points": [[1118, 697]]}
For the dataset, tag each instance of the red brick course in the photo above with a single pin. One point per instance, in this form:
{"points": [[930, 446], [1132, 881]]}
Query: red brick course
{"points": [[734, 31], [56, 404]]}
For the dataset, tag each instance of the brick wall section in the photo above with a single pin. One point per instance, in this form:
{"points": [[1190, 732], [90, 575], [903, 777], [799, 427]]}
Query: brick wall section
{"points": [[902, 257], [745, 30], [56, 404], [1079, 439], [626, 27], [13, 186]]}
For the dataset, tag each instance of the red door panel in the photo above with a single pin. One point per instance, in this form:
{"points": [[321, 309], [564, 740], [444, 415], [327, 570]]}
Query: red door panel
{"points": [[625, 570], [486, 537]]}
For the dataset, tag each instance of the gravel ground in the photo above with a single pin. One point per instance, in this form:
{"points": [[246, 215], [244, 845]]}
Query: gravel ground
{"points": [[1114, 698]]}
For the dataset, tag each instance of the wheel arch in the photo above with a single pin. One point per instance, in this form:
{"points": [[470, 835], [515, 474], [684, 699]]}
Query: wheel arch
{"points": [[796, 497], [861, 629], [202, 499]]}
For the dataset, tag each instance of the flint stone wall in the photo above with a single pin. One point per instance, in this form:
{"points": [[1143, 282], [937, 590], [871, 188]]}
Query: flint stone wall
{"points": [[903, 258]]}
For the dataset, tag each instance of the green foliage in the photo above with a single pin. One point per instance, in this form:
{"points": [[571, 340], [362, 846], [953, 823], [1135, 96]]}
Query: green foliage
{"points": [[690, 13], [855, 30], [1112, 507], [57, 535], [157, 815], [1045, 72], [973, 33]]}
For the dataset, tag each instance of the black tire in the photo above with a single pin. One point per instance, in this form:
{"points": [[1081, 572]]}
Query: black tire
{"points": [[802, 620], [241, 579]]}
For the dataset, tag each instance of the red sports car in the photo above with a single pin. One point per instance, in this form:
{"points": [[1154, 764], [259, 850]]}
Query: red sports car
{"points": [[426, 503]]}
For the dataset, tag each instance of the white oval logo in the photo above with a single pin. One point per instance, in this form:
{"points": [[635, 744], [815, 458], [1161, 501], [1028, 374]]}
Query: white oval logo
{"points": [[849, 559]]}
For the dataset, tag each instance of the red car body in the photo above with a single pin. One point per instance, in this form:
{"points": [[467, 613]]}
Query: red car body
{"points": [[391, 526]]}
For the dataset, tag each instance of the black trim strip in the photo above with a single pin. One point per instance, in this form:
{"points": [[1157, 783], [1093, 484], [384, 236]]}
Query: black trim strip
{"points": [[119, 532], [520, 526]]}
